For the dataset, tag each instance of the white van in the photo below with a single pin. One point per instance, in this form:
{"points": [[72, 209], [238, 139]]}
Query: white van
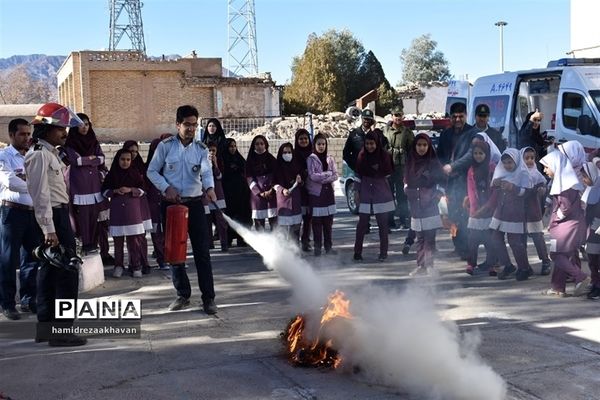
{"points": [[458, 92], [567, 92]]}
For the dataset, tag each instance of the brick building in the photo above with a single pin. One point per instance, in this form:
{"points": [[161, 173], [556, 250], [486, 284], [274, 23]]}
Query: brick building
{"points": [[128, 96]]}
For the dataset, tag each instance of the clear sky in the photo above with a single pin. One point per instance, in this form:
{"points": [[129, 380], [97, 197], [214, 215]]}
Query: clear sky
{"points": [[537, 31]]}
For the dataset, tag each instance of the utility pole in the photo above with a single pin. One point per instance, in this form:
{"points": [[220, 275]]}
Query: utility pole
{"points": [[241, 38], [501, 25], [133, 27]]}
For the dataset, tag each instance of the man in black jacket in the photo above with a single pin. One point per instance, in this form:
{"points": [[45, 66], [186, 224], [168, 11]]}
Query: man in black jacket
{"points": [[356, 139], [454, 143]]}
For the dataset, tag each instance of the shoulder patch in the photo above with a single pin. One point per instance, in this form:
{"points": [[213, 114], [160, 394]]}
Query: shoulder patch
{"points": [[201, 144], [169, 139]]}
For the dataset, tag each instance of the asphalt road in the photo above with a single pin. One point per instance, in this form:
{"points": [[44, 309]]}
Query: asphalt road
{"points": [[544, 348]]}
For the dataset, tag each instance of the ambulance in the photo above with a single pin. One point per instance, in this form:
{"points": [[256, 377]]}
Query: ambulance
{"points": [[567, 92]]}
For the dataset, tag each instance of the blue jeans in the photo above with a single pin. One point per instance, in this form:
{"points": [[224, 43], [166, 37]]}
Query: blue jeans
{"points": [[19, 235], [198, 233]]}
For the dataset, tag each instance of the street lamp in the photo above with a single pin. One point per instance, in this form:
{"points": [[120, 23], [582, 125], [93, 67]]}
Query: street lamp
{"points": [[501, 25]]}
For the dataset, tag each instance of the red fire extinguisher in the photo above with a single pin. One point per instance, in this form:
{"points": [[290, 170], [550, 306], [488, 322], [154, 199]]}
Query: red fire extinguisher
{"points": [[176, 234]]}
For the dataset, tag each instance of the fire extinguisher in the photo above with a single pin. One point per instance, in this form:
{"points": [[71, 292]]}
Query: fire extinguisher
{"points": [[176, 234]]}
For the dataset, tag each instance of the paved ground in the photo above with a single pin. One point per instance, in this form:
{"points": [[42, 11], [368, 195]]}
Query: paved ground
{"points": [[544, 348]]}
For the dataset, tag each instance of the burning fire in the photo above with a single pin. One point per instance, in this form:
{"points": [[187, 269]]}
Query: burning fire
{"points": [[315, 347]]}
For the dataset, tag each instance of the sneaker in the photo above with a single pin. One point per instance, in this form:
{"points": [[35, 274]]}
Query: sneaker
{"points": [[594, 294], [357, 257], [67, 341], [546, 267], [405, 248], [582, 288], [382, 257], [523, 274], [11, 313], [179, 304], [137, 273], [506, 272], [163, 267], [554, 293], [209, 307], [418, 271], [117, 272], [470, 270]]}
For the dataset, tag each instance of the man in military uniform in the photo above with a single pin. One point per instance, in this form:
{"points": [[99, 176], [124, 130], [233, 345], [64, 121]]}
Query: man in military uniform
{"points": [[48, 190], [18, 227], [400, 139], [181, 171]]}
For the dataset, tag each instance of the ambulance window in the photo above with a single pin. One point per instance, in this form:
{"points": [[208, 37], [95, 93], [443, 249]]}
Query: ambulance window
{"points": [[596, 98], [578, 116]]}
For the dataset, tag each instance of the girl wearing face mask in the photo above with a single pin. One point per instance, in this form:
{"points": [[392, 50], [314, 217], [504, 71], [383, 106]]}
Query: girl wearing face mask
{"points": [[124, 186], [479, 178], [260, 167], [287, 188], [421, 177], [511, 181], [302, 150], [322, 172], [373, 166]]}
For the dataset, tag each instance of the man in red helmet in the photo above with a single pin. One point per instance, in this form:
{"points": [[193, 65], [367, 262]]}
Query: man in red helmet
{"points": [[48, 190]]}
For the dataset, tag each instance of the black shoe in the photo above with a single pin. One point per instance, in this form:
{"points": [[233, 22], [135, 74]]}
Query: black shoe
{"points": [[179, 304], [382, 257], [224, 249], [40, 339], [546, 267], [306, 247], [30, 307], [506, 271], [242, 243], [405, 248], [331, 252], [594, 294], [146, 270], [108, 260], [357, 257], [11, 313], [523, 274], [317, 252], [67, 340], [209, 307]]}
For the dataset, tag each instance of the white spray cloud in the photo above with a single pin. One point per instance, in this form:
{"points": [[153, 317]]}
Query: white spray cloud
{"points": [[396, 339]]}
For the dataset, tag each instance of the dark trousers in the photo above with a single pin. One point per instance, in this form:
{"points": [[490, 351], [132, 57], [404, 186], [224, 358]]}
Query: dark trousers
{"points": [[425, 247], [306, 228], [477, 237], [57, 283], [142, 250], [86, 221], [540, 245], [516, 243], [134, 250], [396, 181], [363, 226], [322, 227], [158, 242], [216, 217], [198, 233], [19, 235], [460, 217], [102, 234], [594, 265]]}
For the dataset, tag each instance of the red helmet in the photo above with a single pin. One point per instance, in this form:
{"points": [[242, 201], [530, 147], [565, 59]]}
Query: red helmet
{"points": [[56, 114]]}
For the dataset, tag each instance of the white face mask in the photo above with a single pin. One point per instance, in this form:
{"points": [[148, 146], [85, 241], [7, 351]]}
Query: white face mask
{"points": [[287, 157]]}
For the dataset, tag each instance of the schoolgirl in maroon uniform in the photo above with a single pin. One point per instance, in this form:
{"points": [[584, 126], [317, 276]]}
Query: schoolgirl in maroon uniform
{"points": [[124, 185], [322, 172], [422, 175], [302, 150], [567, 224], [216, 215], [511, 181], [591, 197], [288, 182], [479, 193], [260, 167], [373, 166], [534, 199]]}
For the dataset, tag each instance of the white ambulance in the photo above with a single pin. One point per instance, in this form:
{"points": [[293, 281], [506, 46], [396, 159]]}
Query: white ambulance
{"points": [[567, 92]]}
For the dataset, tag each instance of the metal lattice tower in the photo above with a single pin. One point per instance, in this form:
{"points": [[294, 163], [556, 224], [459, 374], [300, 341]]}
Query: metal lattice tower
{"points": [[242, 52], [133, 28]]}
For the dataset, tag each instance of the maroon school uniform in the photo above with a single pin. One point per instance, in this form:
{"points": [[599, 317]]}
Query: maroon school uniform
{"points": [[259, 175], [301, 154], [216, 215], [289, 208]]}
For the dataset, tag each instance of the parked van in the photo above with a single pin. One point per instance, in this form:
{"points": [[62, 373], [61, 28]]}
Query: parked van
{"points": [[458, 92], [567, 92]]}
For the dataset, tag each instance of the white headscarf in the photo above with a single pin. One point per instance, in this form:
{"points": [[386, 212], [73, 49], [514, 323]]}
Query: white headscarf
{"points": [[575, 153], [535, 175], [565, 177], [591, 195], [494, 151], [519, 176]]}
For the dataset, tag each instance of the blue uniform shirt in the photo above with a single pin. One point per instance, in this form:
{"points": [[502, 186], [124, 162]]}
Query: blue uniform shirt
{"points": [[186, 168]]}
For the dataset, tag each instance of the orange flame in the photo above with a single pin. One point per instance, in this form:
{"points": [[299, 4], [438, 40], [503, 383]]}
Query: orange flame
{"points": [[318, 351]]}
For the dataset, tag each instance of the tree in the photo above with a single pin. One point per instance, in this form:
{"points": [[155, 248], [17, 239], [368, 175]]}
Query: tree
{"points": [[316, 85], [17, 86], [423, 63], [349, 55]]}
